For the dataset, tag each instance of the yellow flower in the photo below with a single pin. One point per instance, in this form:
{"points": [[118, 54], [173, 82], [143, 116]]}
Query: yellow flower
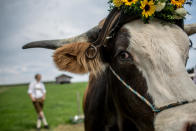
{"points": [[178, 3], [117, 3], [129, 2], [148, 8]]}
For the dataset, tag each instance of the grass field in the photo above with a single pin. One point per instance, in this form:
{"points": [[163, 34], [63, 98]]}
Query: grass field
{"points": [[17, 112]]}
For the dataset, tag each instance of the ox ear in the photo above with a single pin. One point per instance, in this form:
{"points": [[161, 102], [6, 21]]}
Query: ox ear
{"points": [[71, 58]]}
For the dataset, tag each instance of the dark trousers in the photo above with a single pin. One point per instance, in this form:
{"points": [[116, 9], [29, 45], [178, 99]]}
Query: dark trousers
{"points": [[38, 104]]}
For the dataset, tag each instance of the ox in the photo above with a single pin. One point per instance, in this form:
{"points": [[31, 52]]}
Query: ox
{"points": [[150, 58]]}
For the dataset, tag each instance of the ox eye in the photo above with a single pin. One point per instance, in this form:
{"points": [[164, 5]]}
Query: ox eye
{"points": [[124, 55]]}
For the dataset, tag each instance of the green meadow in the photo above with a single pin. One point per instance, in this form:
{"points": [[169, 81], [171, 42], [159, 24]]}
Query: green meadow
{"points": [[17, 112]]}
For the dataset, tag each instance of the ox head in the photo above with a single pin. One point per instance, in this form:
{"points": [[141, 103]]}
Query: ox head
{"points": [[154, 53]]}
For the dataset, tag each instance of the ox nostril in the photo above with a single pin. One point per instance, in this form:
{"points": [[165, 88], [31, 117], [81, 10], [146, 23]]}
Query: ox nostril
{"points": [[191, 127]]}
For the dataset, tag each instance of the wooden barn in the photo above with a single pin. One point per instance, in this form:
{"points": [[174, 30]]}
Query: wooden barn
{"points": [[62, 79]]}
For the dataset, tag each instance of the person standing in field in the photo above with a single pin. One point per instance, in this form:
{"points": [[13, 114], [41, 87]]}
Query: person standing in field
{"points": [[37, 93]]}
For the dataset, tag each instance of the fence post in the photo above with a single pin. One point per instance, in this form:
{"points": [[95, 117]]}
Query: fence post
{"points": [[78, 102]]}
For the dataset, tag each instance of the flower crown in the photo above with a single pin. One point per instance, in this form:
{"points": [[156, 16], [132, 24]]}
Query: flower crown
{"points": [[169, 10]]}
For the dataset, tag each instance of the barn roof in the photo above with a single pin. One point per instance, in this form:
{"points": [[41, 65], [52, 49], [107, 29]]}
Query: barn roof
{"points": [[63, 75]]}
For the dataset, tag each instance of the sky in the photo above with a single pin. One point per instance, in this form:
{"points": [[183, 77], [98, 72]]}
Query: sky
{"points": [[23, 21]]}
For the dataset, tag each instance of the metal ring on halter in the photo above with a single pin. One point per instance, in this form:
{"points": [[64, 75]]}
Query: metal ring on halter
{"points": [[91, 49]]}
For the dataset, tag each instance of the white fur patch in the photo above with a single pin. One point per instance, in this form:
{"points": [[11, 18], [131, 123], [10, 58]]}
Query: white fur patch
{"points": [[160, 51], [176, 119]]}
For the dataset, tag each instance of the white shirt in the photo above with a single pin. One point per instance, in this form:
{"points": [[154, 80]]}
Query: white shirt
{"points": [[36, 89]]}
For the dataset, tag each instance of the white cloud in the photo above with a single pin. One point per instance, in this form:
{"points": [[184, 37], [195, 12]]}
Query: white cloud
{"points": [[9, 71]]}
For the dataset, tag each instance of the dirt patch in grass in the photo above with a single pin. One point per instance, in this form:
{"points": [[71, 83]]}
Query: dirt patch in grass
{"points": [[67, 127], [77, 127]]}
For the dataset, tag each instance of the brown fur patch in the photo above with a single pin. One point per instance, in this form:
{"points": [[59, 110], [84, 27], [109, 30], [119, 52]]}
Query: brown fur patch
{"points": [[71, 58]]}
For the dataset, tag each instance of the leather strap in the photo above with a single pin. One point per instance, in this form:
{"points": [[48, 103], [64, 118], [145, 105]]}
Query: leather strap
{"points": [[103, 36]]}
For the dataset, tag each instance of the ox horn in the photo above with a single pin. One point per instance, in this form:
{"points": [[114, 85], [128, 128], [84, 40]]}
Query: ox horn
{"points": [[190, 29], [54, 44]]}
